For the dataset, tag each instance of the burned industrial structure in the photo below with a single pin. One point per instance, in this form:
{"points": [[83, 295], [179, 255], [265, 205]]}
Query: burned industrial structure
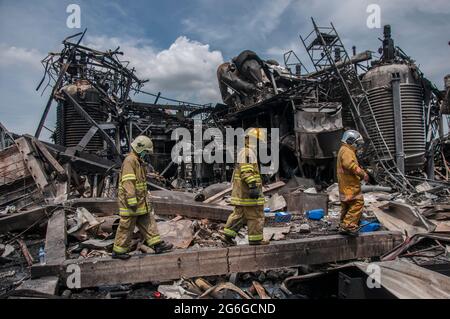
{"points": [[62, 193], [95, 113], [400, 112], [389, 100]]}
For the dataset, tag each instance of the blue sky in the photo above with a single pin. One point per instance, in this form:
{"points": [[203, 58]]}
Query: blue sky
{"points": [[177, 45]]}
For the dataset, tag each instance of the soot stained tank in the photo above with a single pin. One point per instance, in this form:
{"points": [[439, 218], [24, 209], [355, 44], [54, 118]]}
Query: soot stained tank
{"points": [[71, 126], [378, 83]]}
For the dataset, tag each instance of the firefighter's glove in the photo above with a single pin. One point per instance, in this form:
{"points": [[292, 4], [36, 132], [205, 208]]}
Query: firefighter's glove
{"points": [[254, 191], [132, 203], [366, 177]]}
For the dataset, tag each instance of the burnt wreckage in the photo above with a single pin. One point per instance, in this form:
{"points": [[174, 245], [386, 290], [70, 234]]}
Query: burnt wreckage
{"points": [[96, 116], [399, 112]]}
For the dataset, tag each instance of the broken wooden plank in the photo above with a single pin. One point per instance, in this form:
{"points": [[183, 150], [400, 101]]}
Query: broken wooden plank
{"points": [[50, 159], [55, 246], [98, 206], [44, 285], [56, 238], [25, 252], [218, 195], [272, 187], [35, 167], [222, 261], [266, 189], [144, 268], [224, 286], [191, 209], [260, 290], [310, 251]]}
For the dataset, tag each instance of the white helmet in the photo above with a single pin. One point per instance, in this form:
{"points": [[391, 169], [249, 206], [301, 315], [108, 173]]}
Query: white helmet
{"points": [[353, 138], [142, 143]]}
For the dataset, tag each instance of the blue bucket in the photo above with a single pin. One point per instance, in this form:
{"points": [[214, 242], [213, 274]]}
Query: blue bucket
{"points": [[367, 226], [315, 214]]}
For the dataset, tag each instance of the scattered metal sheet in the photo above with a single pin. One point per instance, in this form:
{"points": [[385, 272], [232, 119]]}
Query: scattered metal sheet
{"points": [[175, 291], [437, 212], [179, 233], [276, 203], [402, 217], [401, 279], [98, 244], [408, 281], [276, 233]]}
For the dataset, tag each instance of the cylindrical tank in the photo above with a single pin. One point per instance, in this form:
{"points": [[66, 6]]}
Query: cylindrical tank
{"points": [[378, 83], [70, 125]]}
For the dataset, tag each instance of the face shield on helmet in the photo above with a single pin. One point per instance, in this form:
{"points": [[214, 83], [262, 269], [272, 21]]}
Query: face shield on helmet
{"points": [[353, 138]]}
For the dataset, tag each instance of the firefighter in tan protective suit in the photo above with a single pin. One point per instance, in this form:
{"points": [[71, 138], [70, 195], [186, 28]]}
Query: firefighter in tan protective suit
{"points": [[134, 208], [349, 175], [247, 196]]}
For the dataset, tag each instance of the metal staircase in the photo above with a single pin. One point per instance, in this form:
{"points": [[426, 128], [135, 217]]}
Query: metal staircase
{"points": [[326, 50]]}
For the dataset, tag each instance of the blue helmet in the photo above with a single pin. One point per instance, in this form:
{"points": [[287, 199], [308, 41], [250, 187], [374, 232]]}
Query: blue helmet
{"points": [[353, 138]]}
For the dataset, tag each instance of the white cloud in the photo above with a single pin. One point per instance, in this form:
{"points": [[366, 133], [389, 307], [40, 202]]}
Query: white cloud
{"points": [[18, 56], [186, 70]]}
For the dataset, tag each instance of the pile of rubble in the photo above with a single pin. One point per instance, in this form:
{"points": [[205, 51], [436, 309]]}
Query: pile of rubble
{"points": [[47, 222]]}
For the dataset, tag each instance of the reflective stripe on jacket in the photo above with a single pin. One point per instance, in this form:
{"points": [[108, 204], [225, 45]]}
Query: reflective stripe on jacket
{"points": [[349, 174], [245, 173], [133, 187]]}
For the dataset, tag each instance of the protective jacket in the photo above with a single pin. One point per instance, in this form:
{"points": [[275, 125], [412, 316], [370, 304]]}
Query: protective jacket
{"points": [[245, 173], [133, 187], [349, 174]]}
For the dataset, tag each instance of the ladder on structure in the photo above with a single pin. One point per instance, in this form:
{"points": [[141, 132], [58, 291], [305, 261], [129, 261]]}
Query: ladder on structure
{"points": [[326, 50]]}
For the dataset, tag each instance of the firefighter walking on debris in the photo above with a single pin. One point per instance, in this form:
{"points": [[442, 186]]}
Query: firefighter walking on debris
{"points": [[247, 196], [349, 175], [134, 208]]}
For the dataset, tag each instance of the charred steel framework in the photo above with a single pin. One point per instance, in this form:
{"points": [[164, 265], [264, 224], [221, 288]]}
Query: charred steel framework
{"points": [[334, 80], [6, 138], [114, 119], [323, 43]]}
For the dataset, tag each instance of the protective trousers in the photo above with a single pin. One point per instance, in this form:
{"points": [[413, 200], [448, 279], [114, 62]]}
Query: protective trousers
{"points": [[146, 225], [253, 216], [351, 212]]}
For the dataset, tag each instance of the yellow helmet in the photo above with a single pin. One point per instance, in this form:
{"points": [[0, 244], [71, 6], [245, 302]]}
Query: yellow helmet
{"points": [[142, 143], [258, 133]]}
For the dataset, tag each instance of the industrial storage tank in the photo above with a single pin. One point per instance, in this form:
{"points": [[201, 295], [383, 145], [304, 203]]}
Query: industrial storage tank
{"points": [[378, 83], [70, 125]]}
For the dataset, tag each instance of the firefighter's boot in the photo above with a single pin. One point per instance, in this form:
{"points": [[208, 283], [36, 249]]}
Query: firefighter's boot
{"points": [[230, 241], [162, 247], [123, 256], [259, 242], [348, 232]]}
